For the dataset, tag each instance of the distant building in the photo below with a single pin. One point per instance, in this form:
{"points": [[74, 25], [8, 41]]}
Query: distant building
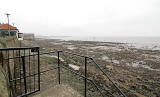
{"points": [[4, 30], [28, 36]]}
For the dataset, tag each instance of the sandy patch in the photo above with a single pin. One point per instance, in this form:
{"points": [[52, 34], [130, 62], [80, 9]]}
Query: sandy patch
{"points": [[75, 67], [59, 91]]}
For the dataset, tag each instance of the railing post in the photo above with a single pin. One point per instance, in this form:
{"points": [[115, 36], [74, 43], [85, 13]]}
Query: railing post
{"points": [[59, 79], [9, 76], [38, 70], [24, 74], [85, 80]]}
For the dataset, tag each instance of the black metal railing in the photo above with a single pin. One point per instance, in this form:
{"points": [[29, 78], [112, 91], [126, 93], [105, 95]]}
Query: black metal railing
{"points": [[28, 76], [89, 60], [104, 73], [21, 70]]}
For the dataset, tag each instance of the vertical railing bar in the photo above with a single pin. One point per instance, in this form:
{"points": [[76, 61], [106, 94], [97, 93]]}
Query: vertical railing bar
{"points": [[59, 69], [25, 70], [2, 58], [85, 81], [20, 71], [29, 70], [24, 74], [9, 73], [15, 72], [34, 68], [38, 70], [7, 53]]}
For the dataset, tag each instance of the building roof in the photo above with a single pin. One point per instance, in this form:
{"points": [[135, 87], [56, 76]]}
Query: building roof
{"points": [[5, 27]]}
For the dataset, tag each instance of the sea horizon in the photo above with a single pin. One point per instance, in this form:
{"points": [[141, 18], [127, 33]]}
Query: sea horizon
{"points": [[149, 43], [121, 39]]}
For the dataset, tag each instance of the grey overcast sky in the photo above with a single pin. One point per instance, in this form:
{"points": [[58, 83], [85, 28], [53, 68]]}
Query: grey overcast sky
{"points": [[84, 17]]}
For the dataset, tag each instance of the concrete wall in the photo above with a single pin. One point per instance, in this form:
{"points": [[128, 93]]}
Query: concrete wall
{"points": [[28, 36]]}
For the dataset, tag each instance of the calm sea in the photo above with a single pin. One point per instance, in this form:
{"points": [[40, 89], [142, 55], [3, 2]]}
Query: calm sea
{"points": [[139, 42]]}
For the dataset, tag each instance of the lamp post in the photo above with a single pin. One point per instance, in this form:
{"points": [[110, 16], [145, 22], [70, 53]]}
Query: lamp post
{"points": [[8, 22]]}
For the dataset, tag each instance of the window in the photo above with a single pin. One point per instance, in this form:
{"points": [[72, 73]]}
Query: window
{"points": [[20, 35]]}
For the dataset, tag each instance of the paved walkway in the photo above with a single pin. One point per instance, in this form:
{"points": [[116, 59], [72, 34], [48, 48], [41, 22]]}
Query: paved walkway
{"points": [[59, 91]]}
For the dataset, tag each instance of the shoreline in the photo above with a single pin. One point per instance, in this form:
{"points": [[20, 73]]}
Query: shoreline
{"points": [[129, 66], [143, 46]]}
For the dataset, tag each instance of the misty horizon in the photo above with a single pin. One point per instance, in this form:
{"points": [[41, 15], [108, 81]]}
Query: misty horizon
{"points": [[84, 18]]}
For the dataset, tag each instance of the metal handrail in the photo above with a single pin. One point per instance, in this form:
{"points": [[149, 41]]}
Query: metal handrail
{"points": [[108, 77], [18, 48], [42, 53], [70, 53], [99, 69], [84, 78]]}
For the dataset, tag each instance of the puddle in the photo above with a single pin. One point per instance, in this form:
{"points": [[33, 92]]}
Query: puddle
{"points": [[106, 58], [71, 47], [106, 48], [140, 64]]}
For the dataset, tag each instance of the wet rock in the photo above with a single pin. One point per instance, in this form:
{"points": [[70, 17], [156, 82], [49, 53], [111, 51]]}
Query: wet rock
{"points": [[146, 87], [121, 80], [133, 87]]}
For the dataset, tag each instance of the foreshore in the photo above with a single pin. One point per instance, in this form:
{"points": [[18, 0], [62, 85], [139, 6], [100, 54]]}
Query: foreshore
{"points": [[136, 70]]}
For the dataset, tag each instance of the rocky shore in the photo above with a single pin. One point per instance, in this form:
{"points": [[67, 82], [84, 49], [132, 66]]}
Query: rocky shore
{"points": [[135, 70]]}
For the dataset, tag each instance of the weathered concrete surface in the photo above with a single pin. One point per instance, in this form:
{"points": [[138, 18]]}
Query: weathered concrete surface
{"points": [[59, 91]]}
